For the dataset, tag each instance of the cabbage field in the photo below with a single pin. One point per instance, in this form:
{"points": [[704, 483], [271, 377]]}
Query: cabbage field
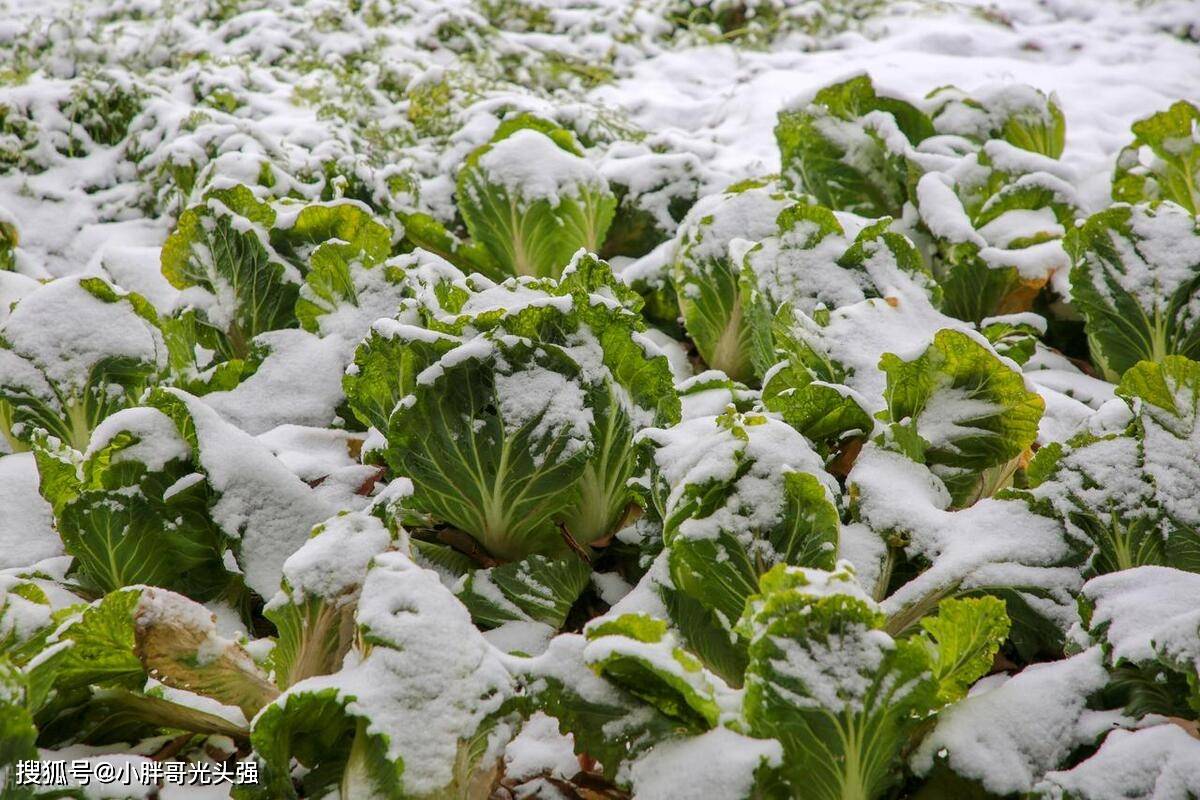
{"points": [[600, 399]]}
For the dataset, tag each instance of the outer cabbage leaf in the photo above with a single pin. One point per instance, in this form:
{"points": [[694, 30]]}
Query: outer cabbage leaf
{"points": [[707, 270], [347, 285], [385, 369], [314, 609], [380, 727], [966, 634], [828, 383], [848, 147], [1020, 115], [1167, 401], [95, 648], [839, 694], [25, 619], [220, 250], [432, 236], [534, 589], [806, 390], [639, 654], [961, 410], [298, 231], [1163, 160], [1135, 281], [132, 509], [532, 200], [738, 494], [495, 436], [71, 353], [176, 641]]}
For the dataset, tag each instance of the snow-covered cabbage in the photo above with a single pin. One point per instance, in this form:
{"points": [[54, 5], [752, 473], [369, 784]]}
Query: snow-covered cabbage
{"points": [[329, 447], [997, 218], [1163, 160], [1135, 281], [514, 409], [707, 270], [828, 700], [847, 146], [418, 709], [1122, 488], [532, 200], [73, 352]]}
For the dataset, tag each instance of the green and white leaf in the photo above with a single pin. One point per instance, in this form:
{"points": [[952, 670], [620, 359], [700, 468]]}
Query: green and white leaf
{"points": [[967, 414], [73, 352], [848, 146], [1163, 160], [1136, 280]]}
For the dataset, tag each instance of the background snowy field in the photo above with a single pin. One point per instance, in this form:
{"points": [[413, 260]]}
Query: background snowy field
{"points": [[773, 501]]}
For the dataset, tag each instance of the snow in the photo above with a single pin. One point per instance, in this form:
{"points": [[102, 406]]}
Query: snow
{"points": [[717, 765], [529, 166], [157, 440], [1147, 613], [991, 543], [27, 532], [272, 396], [610, 586], [716, 220], [1008, 737], [675, 352], [1071, 396], [310, 452], [539, 749], [65, 330], [550, 404], [521, 636], [1157, 763], [866, 552], [430, 679], [13, 287], [260, 501], [942, 211], [332, 564]]}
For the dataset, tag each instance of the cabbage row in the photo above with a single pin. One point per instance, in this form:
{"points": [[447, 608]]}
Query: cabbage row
{"points": [[462, 440]]}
